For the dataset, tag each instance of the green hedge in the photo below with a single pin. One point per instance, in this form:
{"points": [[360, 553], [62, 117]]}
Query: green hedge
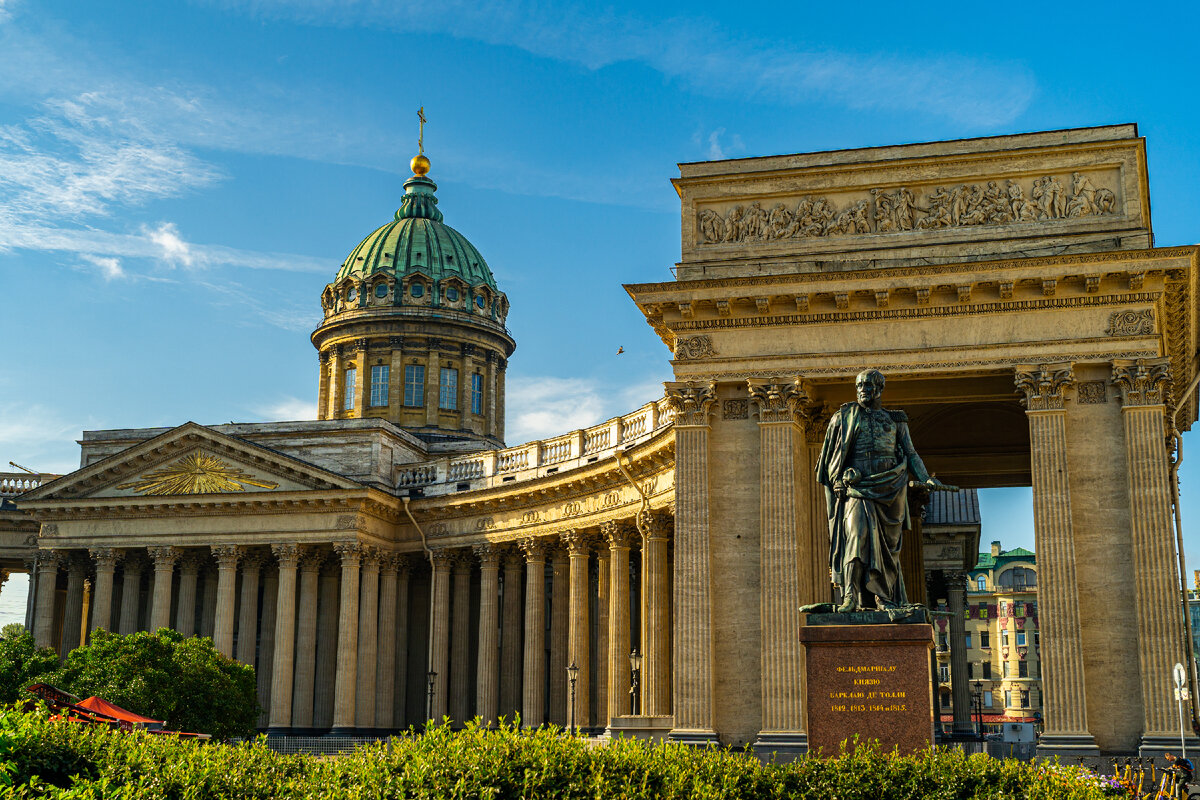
{"points": [[39, 758]]}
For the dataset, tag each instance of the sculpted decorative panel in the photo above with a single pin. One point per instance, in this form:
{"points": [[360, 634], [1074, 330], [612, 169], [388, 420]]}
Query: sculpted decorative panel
{"points": [[197, 473], [1002, 201]]}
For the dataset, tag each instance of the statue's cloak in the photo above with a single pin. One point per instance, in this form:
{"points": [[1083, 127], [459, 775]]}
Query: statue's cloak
{"points": [[869, 522]]}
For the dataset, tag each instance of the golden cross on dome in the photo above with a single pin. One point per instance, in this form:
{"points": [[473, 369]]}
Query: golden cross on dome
{"points": [[421, 135]]}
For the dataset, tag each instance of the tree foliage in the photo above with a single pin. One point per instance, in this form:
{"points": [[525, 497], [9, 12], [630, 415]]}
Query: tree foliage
{"points": [[22, 663], [164, 675]]}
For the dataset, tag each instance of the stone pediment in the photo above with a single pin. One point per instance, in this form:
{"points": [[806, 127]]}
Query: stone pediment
{"points": [[187, 461], [889, 206]]}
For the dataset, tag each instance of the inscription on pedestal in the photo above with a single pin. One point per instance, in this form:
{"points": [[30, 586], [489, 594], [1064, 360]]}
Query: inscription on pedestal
{"points": [[872, 681]]}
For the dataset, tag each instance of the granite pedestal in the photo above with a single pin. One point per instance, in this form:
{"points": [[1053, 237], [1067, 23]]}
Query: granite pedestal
{"points": [[869, 680]]}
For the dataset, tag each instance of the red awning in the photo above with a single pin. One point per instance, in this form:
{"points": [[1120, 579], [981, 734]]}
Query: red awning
{"points": [[105, 707]]}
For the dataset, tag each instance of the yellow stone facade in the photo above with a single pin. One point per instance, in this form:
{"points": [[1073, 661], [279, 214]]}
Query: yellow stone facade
{"points": [[1007, 287]]}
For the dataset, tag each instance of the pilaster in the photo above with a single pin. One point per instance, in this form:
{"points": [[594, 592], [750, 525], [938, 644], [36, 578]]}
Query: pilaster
{"points": [[1065, 729], [694, 715]]}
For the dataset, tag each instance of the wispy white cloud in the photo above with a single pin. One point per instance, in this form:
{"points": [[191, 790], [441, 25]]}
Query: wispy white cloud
{"points": [[109, 267], [39, 438], [698, 53], [541, 407], [717, 150], [287, 409]]}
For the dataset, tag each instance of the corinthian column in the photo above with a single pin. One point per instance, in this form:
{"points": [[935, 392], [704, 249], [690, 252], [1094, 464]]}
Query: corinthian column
{"points": [[533, 700], [579, 636], [247, 636], [510, 637], [227, 556], [164, 568], [368, 639], [185, 611], [306, 642], [131, 591], [1143, 384], [656, 615], [460, 642], [782, 515], [439, 639], [956, 593], [619, 536], [559, 597], [327, 644], [43, 614], [487, 672], [102, 604], [347, 656], [282, 676], [385, 679], [603, 588], [694, 719], [1065, 709]]}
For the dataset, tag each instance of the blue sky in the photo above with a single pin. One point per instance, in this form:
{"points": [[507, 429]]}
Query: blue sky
{"points": [[178, 181]]}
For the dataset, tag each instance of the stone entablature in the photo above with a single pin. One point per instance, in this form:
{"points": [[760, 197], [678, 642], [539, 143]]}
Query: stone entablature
{"points": [[1081, 190], [498, 468]]}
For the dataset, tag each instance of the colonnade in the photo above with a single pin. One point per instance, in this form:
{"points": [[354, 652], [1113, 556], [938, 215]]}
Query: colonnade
{"points": [[352, 639]]}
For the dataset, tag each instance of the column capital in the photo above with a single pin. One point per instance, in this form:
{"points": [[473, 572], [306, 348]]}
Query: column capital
{"points": [[778, 399], [349, 552], [1044, 385], [464, 560], [653, 525], [534, 548], [288, 555], [618, 534], [489, 555], [134, 560], [442, 558], [1142, 381], [253, 560], [49, 560], [192, 560], [227, 555], [577, 542], [395, 562], [312, 560], [513, 558], [106, 557], [164, 556], [955, 579], [370, 558], [691, 401]]}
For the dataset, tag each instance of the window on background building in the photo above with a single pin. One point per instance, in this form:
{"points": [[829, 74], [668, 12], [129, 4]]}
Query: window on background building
{"points": [[350, 389], [945, 699], [970, 670], [985, 639], [1024, 699], [981, 583], [476, 393], [379, 383], [414, 385], [942, 640], [987, 670], [1006, 669], [1018, 579], [1031, 608], [1004, 638], [1008, 698], [1022, 669], [1037, 639], [983, 610], [987, 699], [1020, 638], [448, 389], [1003, 607], [944, 671]]}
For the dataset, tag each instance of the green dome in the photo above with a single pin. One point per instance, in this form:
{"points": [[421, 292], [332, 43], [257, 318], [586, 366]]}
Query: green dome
{"points": [[417, 241]]}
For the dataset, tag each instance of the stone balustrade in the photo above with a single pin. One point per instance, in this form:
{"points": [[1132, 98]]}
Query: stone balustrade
{"points": [[575, 449], [15, 483]]}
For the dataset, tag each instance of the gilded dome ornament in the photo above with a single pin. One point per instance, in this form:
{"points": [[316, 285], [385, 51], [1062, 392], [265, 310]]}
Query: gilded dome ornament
{"points": [[419, 163]]}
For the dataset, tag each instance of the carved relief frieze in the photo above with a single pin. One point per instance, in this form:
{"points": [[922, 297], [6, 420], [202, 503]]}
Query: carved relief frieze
{"points": [[1092, 393], [1002, 201], [197, 473], [1131, 322], [688, 348], [735, 409]]}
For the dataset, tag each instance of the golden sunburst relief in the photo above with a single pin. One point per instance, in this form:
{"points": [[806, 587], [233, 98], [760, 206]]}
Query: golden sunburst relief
{"points": [[198, 473]]}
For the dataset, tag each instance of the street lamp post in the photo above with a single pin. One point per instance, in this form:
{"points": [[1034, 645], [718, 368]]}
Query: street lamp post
{"points": [[977, 697], [572, 676], [432, 676], [635, 663]]}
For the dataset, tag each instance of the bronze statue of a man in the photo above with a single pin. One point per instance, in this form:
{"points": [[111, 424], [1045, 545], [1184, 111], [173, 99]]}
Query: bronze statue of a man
{"points": [[864, 466]]}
